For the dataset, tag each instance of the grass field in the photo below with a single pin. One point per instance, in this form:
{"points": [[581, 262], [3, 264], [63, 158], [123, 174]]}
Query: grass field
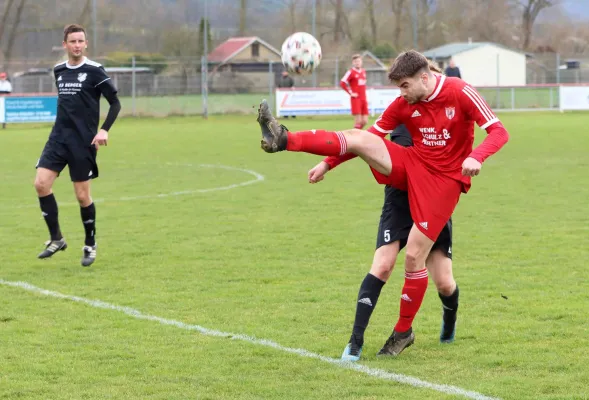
{"points": [[282, 260], [218, 103]]}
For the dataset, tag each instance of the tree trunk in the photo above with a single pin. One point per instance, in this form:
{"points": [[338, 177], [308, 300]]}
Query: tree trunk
{"points": [[531, 11], [372, 18], [14, 31], [83, 19], [242, 17], [338, 20], [292, 11], [5, 18], [398, 11]]}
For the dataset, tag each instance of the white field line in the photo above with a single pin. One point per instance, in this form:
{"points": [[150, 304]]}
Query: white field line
{"points": [[257, 178], [374, 372]]}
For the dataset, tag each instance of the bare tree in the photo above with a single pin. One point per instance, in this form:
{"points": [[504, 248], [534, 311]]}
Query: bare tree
{"points": [[397, 8], [13, 32], [372, 18], [5, 18], [339, 9], [84, 17], [531, 10]]}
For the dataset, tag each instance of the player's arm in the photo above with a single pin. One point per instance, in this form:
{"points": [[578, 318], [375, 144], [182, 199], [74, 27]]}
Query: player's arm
{"points": [[345, 83], [109, 92], [477, 109]]}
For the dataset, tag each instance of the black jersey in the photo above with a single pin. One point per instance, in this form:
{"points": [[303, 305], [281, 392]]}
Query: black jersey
{"points": [[401, 136], [78, 105]]}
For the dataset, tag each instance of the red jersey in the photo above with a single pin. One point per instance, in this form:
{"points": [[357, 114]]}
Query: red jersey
{"points": [[354, 81], [442, 126]]}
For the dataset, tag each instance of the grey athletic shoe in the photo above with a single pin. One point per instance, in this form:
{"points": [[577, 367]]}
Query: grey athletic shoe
{"points": [[396, 343], [273, 134], [89, 255], [52, 247]]}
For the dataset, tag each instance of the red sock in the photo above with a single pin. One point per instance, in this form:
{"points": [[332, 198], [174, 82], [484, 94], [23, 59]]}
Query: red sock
{"points": [[413, 293], [320, 142]]}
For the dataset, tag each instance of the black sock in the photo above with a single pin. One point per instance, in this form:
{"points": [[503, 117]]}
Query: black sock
{"points": [[89, 219], [49, 209], [367, 298], [450, 304]]}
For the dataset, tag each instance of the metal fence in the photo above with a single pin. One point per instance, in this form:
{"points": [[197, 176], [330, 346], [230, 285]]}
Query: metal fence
{"points": [[174, 87]]}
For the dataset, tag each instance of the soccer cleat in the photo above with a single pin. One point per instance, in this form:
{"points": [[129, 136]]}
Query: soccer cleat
{"points": [[273, 134], [396, 343], [89, 255], [52, 247], [448, 327], [353, 349]]}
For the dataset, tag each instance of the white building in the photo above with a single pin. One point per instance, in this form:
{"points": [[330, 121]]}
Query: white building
{"points": [[483, 63]]}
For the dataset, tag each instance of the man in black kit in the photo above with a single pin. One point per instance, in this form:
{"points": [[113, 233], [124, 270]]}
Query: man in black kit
{"points": [[75, 138]]}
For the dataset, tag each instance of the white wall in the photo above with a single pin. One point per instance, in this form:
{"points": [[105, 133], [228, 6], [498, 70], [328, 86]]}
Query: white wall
{"points": [[480, 66]]}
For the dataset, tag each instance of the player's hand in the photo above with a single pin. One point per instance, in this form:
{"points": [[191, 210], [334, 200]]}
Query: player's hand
{"points": [[317, 173], [353, 94], [471, 167], [100, 139]]}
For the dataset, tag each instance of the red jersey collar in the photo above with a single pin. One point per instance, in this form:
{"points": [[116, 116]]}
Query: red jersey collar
{"points": [[439, 83]]}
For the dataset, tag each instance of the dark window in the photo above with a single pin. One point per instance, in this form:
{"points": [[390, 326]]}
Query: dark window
{"points": [[255, 50]]}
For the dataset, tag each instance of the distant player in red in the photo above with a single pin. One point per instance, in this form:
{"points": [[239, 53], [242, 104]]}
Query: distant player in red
{"points": [[354, 83], [440, 113]]}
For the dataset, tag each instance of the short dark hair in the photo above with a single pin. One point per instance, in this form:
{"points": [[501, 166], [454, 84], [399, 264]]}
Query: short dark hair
{"points": [[407, 65], [72, 28], [356, 56]]}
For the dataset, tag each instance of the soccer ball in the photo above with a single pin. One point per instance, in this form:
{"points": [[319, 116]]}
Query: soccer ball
{"points": [[301, 53]]}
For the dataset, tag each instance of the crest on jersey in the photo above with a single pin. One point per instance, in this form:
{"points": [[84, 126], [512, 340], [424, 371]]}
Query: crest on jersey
{"points": [[82, 78], [450, 112]]}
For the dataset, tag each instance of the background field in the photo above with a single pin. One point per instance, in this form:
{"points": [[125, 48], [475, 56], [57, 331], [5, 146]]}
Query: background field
{"points": [[219, 103], [280, 259]]}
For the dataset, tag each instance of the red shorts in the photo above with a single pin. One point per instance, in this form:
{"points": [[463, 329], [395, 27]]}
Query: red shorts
{"points": [[359, 106], [432, 197]]}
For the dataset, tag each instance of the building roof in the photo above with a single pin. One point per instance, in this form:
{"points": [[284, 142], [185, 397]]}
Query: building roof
{"points": [[233, 46], [451, 49], [379, 66]]}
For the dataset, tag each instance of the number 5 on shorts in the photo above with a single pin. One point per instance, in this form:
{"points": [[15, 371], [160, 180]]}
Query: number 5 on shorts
{"points": [[387, 235]]}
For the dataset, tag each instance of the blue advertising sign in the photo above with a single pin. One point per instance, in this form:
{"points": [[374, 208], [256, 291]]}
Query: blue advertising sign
{"points": [[29, 109]]}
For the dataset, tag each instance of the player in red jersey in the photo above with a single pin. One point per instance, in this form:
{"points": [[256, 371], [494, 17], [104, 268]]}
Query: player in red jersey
{"points": [[393, 232], [354, 83], [440, 113]]}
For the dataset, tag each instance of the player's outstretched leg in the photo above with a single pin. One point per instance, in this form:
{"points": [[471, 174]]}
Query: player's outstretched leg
{"points": [[52, 247], [276, 137]]}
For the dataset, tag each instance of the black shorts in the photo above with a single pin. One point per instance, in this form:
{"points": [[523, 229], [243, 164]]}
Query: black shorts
{"points": [[396, 222], [80, 159]]}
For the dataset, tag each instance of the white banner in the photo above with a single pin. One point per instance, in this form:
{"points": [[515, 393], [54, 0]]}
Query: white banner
{"points": [[2, 113], [574, 98], [329, 101]]}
